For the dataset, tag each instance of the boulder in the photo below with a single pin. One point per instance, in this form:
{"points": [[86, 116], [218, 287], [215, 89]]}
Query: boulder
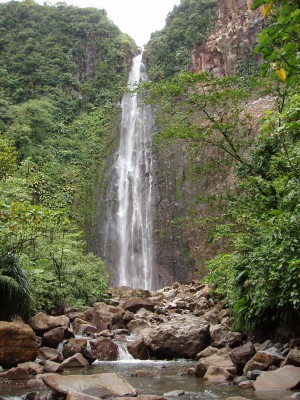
{"points": [[47, 353], [51, 366], [212, 316], [137, 325], [73, 346], [285, 378], [81, 327], [222, 361], [242, 354], [138, 349], [15, 374], [98, 385], [101, 315], [42, 323], [236, 398], [208, 351], [75, 361], [293, 358], [117, 321], [262, 360], [135, 303], [222, 336], [17, 344], [105, 349], [182, 336], [54, 336], [218, 374], [32, 368]]}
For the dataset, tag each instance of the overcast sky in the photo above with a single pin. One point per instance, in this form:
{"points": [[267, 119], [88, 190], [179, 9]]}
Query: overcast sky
{"points": [[138, 18]]}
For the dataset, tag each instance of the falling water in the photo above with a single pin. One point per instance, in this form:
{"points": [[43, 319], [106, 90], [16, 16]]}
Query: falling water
{"points": [[128, 237]]}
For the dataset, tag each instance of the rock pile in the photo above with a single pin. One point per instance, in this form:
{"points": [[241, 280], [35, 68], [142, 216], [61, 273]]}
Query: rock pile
{"points": [[180, 321]]}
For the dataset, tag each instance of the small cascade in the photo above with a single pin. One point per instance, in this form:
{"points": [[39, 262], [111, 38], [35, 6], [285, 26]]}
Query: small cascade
{"points": [[124, 354], [128, 240]]}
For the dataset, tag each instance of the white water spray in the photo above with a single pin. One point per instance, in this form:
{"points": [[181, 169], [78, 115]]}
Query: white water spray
{"points": [[128, 237]]}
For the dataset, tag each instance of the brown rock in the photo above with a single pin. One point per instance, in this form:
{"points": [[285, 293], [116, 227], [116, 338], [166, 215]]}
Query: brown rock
{"points": [[51, 366], [15, 374], [293, 358], [263, 360], [219, 361], [218, 374], [81, 327], [43, 323], [73, 346], [135, 303], [221, 336], [137, 325], [100, 385], [208, 351], [17, 344], [285, 378], [183, 336], [54, 336], [47, 353], [105, 349], [101, 315], [32, 368], [241, 355], [75, 361], [138, 349]]}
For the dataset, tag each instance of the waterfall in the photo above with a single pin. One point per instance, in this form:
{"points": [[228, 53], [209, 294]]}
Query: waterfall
{"points": [[128, 233]]}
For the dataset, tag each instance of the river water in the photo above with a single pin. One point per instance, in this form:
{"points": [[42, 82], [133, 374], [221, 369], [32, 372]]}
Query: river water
{"points": [[161, 377]]}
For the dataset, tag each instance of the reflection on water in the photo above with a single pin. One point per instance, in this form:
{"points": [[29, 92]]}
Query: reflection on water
{"points": [[161, 377]]}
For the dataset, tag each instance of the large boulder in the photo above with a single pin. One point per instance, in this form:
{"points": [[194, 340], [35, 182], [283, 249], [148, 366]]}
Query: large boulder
{"points": [[135, 303], [182, 336], [100, 385], [42, 323], [17, 344], [138, 349], [137, 325], [285, 378], [73, 346], [105, 349]]}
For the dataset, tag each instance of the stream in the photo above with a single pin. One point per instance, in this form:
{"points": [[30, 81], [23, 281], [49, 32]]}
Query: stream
{"points": [[160, 378]]}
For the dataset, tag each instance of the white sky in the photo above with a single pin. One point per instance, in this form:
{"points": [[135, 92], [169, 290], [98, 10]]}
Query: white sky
{"points": [[138, 18]]}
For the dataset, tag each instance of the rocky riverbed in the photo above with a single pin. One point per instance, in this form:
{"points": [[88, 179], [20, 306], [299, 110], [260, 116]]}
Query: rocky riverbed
{"points": [[176, 322]]}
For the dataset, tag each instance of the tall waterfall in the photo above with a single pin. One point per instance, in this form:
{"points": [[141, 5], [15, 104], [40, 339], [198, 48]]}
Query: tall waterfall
{"points": [[128, 234]]}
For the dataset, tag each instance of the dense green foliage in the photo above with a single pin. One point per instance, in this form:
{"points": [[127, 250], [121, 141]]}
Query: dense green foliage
{"points": [[62, 72], [279, 42], [169, 50], [259, 274]]}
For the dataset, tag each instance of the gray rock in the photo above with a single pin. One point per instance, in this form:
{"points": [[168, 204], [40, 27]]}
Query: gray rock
{"points": [[182, 336], [99, 385], [285, 378], [75, 361]]}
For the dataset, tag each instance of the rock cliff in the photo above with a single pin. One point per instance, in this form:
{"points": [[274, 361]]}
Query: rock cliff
{"points": [[229, 47]]}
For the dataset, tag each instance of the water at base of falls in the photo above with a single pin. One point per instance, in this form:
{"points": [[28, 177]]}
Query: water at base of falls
{"points": [[128, 234]]}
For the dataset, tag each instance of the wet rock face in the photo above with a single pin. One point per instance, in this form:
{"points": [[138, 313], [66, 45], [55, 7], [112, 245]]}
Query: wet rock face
{"points": [[17, 344], [231, 42]]}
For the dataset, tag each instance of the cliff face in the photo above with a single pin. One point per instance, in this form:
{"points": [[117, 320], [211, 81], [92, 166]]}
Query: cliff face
{"points": [[190, 179], [229, 47]]}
